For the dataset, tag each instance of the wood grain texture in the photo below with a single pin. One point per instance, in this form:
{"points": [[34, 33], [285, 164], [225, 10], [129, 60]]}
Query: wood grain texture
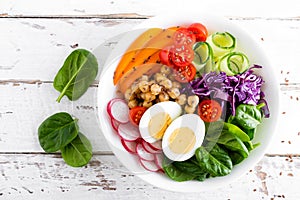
{"points": [[48, 177], [137, 9]]}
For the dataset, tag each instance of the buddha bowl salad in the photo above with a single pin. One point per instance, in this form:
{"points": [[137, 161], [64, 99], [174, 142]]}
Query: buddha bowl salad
{"points": [[190, 102]]}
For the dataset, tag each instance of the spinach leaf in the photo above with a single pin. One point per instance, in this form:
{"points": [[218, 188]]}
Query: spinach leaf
{"points": [[215, 161], [77, 153], [249, 132], [235, 130], [75, 76], [174, 173], [57, 131], [191, 166], [216, 128], [233, 143], [248, 116], [228, 138], [236, 157]]}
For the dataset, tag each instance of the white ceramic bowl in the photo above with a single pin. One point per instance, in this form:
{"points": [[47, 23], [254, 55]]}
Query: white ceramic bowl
{"points": [[106, 91]]}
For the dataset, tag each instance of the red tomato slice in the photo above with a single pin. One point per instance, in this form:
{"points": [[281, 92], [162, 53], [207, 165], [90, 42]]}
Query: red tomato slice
{"points": [[209, 110], [184, 37], [135, 114], [199, 30], [165, 56], [185, 74], [182, 55]]}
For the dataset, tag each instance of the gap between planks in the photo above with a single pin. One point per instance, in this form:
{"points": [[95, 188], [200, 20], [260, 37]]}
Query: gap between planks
{"points": [[134, 16]]}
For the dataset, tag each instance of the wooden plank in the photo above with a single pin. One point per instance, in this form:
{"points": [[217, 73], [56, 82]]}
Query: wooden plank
{"points": [[38, 176], [30, 46], [24, 106], [135, 8]]}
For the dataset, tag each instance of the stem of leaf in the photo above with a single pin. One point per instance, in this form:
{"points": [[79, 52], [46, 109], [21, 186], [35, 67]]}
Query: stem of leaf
{"points": [[60, 96]]}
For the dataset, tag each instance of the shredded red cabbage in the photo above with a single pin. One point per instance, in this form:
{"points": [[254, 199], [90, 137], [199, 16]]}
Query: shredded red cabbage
{"points": [[243, 88]]}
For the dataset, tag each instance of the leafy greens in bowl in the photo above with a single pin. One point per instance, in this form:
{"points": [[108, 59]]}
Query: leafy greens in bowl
{"points": [[263, 135]]}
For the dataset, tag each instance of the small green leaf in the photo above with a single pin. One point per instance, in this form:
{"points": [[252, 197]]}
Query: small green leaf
{"points": [[57, 131], [79, 152], [76, 75]]}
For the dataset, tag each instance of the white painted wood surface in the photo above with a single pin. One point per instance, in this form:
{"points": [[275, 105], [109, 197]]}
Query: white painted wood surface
{"points": [[35, 38]]}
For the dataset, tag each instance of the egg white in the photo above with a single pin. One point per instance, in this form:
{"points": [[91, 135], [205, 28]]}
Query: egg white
{"points": [[172, 108], [191, 121]]}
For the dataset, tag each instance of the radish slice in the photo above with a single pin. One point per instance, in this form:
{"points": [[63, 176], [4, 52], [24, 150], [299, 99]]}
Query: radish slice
{"points": [[148, 148], [149, 165], [128, 132], [115, 124], [108, 107], [156, 145], [119, 110], [129, 146], [143, 154], [158, 159]]}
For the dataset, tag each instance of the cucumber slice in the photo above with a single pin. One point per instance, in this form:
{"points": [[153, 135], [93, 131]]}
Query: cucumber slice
{"points": [[203, 59], [233, 63], [221, 43]]}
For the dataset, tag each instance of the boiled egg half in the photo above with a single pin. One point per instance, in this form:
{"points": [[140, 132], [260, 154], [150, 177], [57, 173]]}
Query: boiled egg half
{"points": [[184, 135], [156, 120]]}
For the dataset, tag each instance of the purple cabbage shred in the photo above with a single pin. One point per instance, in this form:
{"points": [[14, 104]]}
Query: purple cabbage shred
{"points": [[243, 88]]}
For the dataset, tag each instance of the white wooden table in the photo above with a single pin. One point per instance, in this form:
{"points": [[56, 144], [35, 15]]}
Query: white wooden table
{"points": [[36, 37]]}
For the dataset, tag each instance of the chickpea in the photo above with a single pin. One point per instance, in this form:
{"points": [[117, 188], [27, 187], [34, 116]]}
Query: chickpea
{"points": [[127, 94], [189, 109], [165, 70], [155, 89], [166, 83], [147, 104], [143, 86], [143, 95], [159, 77], [193, 100], [174, 93], [132, 103], [149, 96], [163, 97], [181, 100], [176, 84]]}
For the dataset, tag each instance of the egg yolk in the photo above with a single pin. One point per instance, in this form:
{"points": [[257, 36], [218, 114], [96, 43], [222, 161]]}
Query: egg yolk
{"points": [[182, 140], [158, 125]]}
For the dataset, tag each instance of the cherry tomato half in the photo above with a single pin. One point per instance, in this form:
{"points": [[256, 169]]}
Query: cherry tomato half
{"points": [[199, 30], [209, 110], [135, 114], [185, 74], [165, 56], [184, 37], [182, 55]]}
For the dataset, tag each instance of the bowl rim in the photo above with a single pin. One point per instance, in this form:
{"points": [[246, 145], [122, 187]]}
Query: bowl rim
{"points": [[160, 180]]}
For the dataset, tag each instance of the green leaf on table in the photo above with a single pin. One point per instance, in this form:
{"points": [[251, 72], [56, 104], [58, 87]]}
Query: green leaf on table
{"points": [[76, 75], [57, 131], [77, 153]]}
